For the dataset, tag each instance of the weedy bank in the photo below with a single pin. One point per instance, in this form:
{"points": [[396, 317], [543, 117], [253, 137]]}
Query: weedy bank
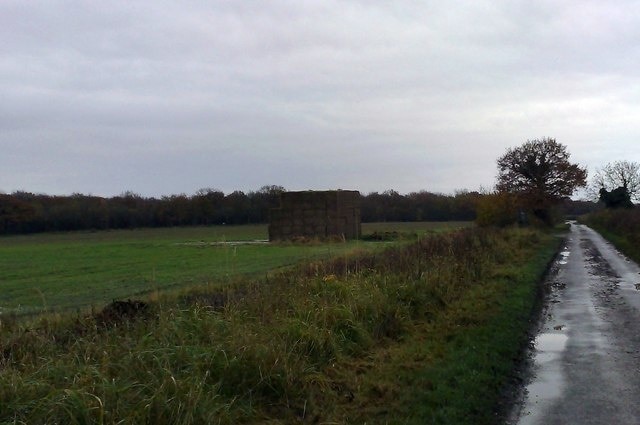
{"points": [[425, 332], [620, 226]]}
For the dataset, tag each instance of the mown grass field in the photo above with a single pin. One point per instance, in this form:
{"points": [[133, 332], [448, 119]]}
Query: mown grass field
{"points": [[423, 332], [80, 269]]}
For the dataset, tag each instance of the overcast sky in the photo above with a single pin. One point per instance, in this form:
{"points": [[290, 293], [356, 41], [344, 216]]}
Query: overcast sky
{"points": [[165, 97]]}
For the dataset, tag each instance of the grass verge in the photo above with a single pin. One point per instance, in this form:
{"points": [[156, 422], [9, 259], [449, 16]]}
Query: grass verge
{"points": [[479, 340], [426, 332], [620, 227]]}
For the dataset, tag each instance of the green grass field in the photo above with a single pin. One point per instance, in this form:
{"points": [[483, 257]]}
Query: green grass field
{"points": [[80, 269]]}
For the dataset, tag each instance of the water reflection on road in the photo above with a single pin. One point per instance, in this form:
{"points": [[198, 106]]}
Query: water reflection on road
{"points": [[586, 355]]}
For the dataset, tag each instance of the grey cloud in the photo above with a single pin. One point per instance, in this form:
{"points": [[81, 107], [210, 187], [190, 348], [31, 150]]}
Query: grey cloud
{"points": [[162, 97]]}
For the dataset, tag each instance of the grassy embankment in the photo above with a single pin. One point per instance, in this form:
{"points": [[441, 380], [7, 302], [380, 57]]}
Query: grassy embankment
{"points": [[422, 333], [620, 227], [74, 270]]}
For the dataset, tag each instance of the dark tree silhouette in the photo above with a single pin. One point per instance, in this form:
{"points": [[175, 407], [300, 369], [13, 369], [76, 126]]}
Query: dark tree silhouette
{"points": [[540, 173], [616, 198], [623, 175], [24, 212]]}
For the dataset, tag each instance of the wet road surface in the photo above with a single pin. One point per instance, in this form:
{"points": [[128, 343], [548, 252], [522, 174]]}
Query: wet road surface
{"points": [[586, 361]]}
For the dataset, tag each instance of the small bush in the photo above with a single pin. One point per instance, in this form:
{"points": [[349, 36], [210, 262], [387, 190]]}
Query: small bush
{"points": [[497, 209]]}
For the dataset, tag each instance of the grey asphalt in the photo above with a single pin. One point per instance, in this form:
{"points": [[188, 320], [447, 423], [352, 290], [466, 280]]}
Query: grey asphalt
{"points": [[586, 359]]}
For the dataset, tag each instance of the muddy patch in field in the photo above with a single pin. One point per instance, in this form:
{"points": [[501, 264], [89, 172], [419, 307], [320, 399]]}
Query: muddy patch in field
{"points": [[121, 311]]}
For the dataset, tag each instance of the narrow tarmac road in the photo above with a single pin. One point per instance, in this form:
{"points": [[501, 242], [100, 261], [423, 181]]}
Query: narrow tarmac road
{"points": [[586, 364]]}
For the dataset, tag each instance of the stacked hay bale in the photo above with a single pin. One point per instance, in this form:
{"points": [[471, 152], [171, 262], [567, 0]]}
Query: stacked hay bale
{"points": [[316, 214]]}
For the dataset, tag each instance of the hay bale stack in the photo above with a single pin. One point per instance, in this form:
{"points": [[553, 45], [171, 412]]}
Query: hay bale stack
{"points": [[316, 214]]}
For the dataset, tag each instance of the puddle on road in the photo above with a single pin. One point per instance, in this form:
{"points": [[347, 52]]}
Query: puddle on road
{"points": [[549, 346], [630, 279], [552, 341], [549, 381], [565, 256]]}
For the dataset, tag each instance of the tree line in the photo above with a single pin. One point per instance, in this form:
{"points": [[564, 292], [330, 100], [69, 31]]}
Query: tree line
{"points": [[534, 182], [25, 212]]}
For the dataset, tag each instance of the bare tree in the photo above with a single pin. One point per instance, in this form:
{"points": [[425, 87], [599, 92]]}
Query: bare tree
{"points": [[614, 175]]}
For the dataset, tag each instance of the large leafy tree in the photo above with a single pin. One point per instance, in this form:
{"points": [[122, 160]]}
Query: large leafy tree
{"points": [[540, 174]]}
